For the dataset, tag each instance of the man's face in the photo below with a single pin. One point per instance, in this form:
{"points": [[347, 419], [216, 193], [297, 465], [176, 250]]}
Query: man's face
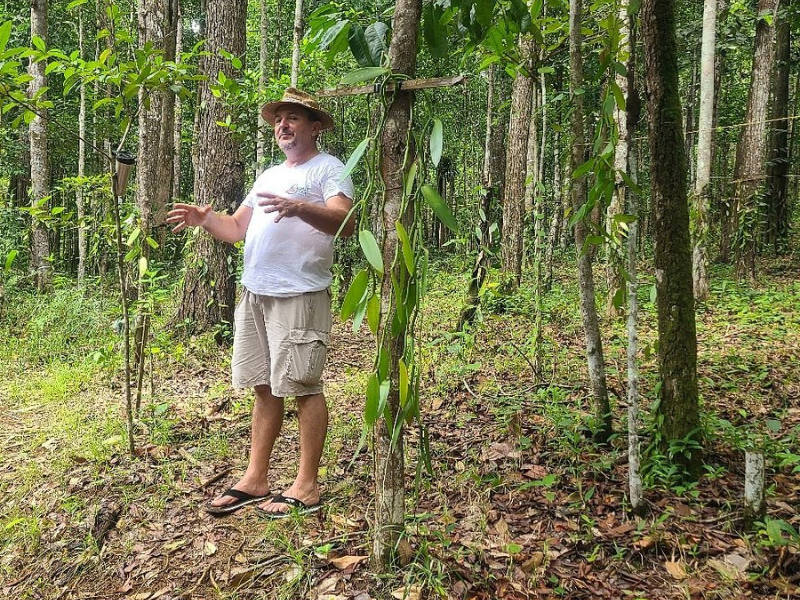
{"points": [[294, 129]]}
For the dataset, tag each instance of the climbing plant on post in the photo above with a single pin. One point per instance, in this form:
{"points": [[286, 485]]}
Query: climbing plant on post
{"points": [[389, 464]]}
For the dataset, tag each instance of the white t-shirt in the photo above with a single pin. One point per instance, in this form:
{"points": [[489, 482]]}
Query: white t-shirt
{"points": [[291, 257]]}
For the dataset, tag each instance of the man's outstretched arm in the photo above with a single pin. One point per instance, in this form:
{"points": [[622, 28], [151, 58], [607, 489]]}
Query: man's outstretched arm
{"points": [[228, 228]]}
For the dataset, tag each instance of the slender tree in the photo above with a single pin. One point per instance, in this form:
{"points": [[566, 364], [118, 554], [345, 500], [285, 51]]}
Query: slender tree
{"points": [[591, 324], [677, 354], [702, 189], [751, 152], [298, 35], [80, 201], [263, 58], [209, 283], [614, 278], [177, 137], [516, 155], [389, 461], [778, 170], [40, 159]]}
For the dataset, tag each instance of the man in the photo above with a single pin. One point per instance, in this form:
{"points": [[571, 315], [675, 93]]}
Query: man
{"points": [[283, 320]]}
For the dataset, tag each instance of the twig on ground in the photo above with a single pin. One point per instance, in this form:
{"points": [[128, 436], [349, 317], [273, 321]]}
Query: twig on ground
{"points": [[214, 479]]}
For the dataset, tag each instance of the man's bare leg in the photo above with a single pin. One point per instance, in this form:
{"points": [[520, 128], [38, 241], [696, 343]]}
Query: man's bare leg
{"points": [[312, 415], [267, 422]]}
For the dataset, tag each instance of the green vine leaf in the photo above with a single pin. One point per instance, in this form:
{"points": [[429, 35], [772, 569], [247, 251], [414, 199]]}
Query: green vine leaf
{"points": [[374, 313], [437, 141], [359, 46], [355, 294], [408, 252], [375, 33], [439, 207], [410, 177], [354, 158], [403, 382], [373, 400], [5, 34], [365, 74], [435, 34], [371, 250]]}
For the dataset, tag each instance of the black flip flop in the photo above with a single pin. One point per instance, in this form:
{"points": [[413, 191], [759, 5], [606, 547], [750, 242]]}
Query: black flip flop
{"points": [[296, 507], [242, 500]]}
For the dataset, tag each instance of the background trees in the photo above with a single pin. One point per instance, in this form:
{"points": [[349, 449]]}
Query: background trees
{"points": [[540, 88]]}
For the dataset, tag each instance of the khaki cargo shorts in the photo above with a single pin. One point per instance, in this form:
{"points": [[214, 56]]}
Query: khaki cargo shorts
{"points": [[281, 342]]}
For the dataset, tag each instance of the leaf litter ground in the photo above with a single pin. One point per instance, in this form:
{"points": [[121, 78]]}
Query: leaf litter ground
{"points": [[521, 503]]}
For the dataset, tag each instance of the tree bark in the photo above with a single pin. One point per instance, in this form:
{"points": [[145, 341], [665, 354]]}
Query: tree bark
{"points": [[751, 157], [634, 455], [591, 325], [490, 177], [154, 170], [778, 198], [298, 35], [40, 159], [389, 460], [262, 135], [514, 196], [614, 278], [209, 284], [177, 138], [678, 403], [705, 136], [80, 201]]}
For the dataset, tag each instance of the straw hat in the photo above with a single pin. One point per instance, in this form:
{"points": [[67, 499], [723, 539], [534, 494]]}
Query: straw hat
{"points": [[293, 96]]}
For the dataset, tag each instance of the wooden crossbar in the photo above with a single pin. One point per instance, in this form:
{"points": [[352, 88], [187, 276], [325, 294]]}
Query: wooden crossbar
{"points": [[410, 85]]}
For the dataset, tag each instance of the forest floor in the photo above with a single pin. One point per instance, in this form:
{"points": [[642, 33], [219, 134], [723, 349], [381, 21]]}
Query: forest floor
{"points": [[521, 503]]}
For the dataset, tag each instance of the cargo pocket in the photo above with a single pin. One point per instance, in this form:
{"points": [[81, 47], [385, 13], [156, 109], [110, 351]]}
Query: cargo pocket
{"points": [[306, 356]]}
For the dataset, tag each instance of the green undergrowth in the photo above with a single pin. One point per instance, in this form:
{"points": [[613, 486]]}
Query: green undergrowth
{"points": [[62, 421]]}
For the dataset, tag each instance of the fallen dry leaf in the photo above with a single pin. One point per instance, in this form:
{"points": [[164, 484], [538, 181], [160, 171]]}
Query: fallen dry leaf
{"points": [[675, 569], [209, 548], [412, 593], [346, 561], [738, 561]]}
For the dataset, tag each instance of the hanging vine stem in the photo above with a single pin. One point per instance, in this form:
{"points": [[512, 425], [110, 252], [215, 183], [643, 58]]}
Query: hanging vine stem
{"points": [[392, 317]]}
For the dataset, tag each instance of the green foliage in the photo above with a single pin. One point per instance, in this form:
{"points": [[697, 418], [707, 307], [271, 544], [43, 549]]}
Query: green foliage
{"points": [[64, 326], [776, 533]]}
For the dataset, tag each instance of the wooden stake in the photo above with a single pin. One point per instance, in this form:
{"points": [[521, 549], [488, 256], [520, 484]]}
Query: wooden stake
{"points": [[409, 85]]}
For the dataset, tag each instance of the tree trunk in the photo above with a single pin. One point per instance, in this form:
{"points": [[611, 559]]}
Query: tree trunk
{"points": [[40, 160], [489, 176], [614, 278], [634, 470], [262, 135], [298, 35], [556, 216], [389, 460], [778, 198], [209, 285], [677, 354], [532, 176], [514, 197], [177, 138], [690, 128], [591, 325], [705, 127], [154, 169], [751, 157], [80, 201]]}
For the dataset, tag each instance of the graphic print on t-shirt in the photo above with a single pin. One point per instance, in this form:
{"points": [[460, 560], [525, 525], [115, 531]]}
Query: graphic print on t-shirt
{"points": [[298, 190]]}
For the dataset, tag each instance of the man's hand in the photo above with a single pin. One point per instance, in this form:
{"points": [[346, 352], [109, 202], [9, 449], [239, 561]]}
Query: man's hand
{"points": [[327, 217], [285, 207], [188, 215]]}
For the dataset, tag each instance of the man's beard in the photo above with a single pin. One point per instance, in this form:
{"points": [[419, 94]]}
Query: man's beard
{"points": [[287, 144]]}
